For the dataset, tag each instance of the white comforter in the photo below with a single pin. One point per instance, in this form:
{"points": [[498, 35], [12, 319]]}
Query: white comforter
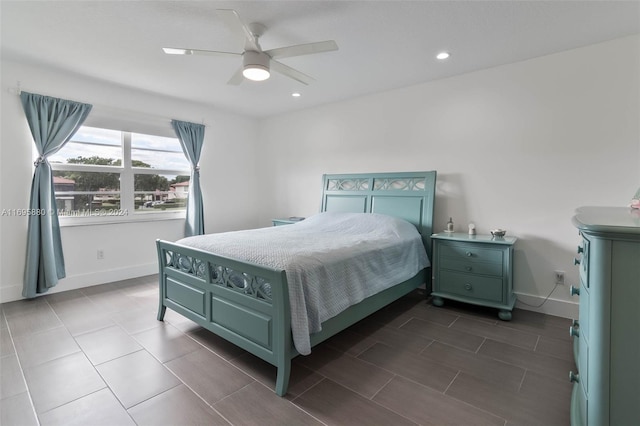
{"points": [[332, 261]]}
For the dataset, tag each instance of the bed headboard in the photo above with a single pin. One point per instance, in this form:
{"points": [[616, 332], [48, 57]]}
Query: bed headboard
{"points": [[407, 195]]}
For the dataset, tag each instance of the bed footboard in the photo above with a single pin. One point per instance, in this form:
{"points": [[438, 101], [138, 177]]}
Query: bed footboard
{"points": [[244, 303]]}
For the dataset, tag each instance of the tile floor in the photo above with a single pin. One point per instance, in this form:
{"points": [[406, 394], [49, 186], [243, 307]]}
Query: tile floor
{"points": [[98, 356]]}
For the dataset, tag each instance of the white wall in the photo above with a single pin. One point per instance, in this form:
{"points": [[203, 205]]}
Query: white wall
{"points": [[227, 173], [518, 147]]}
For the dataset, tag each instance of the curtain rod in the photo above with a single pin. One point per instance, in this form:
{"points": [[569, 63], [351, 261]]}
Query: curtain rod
{"points": [[17, 90]]}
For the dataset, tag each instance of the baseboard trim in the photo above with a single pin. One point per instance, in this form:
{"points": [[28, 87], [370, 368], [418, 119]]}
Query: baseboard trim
{"points": [[556, 307], [11, 293]]}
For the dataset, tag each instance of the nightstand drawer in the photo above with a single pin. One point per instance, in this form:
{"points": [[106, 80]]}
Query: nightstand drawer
{"points": [[464, 265], [473, 253], [468, 285]]}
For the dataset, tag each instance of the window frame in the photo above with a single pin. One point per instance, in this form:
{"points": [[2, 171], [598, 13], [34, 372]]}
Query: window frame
{"points": [[127, 212]]}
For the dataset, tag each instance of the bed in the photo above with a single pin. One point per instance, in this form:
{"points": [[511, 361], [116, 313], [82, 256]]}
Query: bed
{"points": [[251, 300]]}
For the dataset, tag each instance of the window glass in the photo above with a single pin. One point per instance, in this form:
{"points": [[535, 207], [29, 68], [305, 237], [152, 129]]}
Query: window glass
{"points": [[100, 145], [91, 177]]}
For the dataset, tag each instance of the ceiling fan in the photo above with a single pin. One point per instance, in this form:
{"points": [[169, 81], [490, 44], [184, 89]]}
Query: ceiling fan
{"points": [[257, 63]]}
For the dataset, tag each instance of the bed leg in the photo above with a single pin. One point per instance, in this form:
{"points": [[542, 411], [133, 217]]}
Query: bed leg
{"points": [[161, 310], [282, 380]]}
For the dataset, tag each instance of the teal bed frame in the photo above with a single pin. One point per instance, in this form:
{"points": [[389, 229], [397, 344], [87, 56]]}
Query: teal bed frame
{"points": [[203, 286]]}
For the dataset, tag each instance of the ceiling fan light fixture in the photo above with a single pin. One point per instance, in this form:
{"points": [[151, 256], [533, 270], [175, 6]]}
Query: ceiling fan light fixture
{"points": [[255, 66]]}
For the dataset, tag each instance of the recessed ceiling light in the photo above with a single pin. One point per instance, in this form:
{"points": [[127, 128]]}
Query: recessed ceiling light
{"points": [[296, 95], [443, 55]]}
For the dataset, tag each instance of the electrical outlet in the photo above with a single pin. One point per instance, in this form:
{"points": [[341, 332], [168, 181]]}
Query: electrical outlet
{"points": [[559, 277], [100, 254]]}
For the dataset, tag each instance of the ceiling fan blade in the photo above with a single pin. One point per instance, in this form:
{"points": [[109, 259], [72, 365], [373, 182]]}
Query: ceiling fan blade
{"points": [[235, 23], [181, 51], [237, 78], [302, 49], [291, 73]]}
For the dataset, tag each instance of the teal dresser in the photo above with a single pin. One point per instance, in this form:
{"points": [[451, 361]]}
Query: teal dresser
{"points": [[475, 269], [606, 346]]}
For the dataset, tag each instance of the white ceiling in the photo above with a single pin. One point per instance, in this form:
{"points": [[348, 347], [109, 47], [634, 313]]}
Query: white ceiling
{"points": [[383, 44]]}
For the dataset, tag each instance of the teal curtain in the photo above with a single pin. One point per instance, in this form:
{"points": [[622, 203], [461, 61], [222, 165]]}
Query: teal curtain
{"points": [[52, 122], [191, 137]]}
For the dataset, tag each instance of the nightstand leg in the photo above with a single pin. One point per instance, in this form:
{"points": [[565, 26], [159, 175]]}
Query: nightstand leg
{"points": [[437, 301], [504, 315]]}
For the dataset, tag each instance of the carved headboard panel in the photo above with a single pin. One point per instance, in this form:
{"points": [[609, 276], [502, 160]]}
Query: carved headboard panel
{"points": [[407, 195]]}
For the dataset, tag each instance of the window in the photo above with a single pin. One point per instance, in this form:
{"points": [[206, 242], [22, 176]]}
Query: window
{"points": [[110, 173]]}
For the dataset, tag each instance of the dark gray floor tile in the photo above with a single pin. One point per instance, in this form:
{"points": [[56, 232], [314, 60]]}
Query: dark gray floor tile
{"points": [[256, 405], [448, 335], [217, 344], [300, 380], [497, 332], [137, 320], [35, 318], [351, 342], [106, 344], [17, 411], [354, 373], [62, 380], [486, 368], [208, 375], [559, 348], [415, 367], [177, 406], [110, 299], [336, 405], [136, 377], [410, 363], [81, 315], [24, 307], [516, 407], [166, 342], [100, 408], [6, 343], [11, 381], [400, 339], [548, 365], [37, 348], [426, 406]]}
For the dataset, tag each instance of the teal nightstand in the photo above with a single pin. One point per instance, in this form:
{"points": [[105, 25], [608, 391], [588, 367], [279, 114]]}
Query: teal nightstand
{"points": [[474, 269], [286, 221]]}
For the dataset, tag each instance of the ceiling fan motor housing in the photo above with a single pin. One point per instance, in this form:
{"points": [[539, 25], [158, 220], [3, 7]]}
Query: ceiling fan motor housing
{"points": [[255, 65]]}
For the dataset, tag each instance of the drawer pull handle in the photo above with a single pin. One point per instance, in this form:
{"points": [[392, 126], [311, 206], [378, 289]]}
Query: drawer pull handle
{"points": [[576, 261], [575, 323], [468, 268], [573, 377], [469, 254], [575, 291], [573, 332], [468, 287], [580, 249]]}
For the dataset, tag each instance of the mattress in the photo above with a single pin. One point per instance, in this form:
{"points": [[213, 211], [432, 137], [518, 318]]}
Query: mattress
{"points": [[332, 261]]}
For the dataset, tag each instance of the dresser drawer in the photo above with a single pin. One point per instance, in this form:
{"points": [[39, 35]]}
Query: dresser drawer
{"points": [[473, 253], [585, 299], [464, 265], [583, 363], [583, 250], [471, 286]]}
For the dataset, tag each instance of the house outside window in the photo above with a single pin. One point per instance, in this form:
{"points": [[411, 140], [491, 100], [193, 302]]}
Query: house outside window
{"points": [[103, 173]]}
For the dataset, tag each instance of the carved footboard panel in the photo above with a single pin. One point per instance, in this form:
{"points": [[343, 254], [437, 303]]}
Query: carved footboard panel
{"points": [[244, 303]]}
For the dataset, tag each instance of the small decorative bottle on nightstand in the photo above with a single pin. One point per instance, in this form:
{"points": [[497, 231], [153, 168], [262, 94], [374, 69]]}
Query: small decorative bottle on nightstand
{"points": [[474, 269]]}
